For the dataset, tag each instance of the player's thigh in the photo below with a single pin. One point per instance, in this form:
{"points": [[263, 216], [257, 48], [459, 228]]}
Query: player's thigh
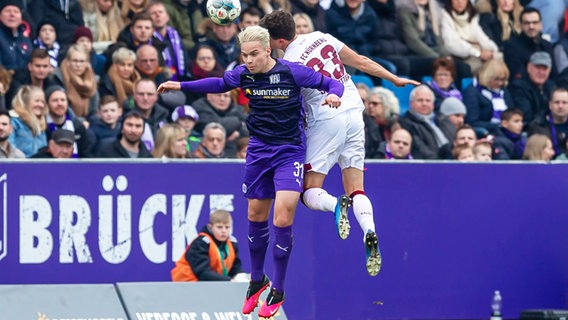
{"points": [[325, 140], [285, 207], [288, 166], [353, 153], [259, 209]]}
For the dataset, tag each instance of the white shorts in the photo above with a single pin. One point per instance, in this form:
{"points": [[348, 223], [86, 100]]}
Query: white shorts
{"points": [[340, 139]]}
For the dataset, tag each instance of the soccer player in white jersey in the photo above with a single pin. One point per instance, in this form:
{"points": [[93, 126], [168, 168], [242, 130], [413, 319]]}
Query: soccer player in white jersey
{"points": [[333, 135]]}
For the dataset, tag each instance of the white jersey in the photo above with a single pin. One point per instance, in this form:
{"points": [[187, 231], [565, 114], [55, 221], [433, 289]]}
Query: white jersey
{"points": [[320, 51]]}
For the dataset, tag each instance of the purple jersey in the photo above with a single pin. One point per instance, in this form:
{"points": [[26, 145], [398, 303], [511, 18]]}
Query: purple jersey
{"points": [[276, 105]]}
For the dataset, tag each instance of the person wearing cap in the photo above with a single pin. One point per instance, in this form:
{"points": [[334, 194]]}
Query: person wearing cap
{"points": [[59, 116], [60, 145], [531, 94], [518, 50], [84, 38], [7, 149], [15, 46], [129, 142], [66, 16], [487, 97], [219, 107], [187, 118], [455, 110]]}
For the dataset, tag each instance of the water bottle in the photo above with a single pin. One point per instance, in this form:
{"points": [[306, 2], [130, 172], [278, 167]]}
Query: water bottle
{"points": [[496, 305]]}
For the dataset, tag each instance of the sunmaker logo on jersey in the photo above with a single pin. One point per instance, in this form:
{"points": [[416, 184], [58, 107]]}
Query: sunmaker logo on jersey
{"points": [[277, 93]]}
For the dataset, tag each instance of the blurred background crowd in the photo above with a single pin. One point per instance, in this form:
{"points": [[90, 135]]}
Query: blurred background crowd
{"points": [[78, 78]]}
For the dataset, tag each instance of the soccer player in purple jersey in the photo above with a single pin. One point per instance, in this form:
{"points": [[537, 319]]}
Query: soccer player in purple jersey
{"points": [[333, 135], [275, 156]]}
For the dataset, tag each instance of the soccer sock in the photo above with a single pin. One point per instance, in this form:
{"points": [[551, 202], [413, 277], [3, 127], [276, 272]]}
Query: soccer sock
{"points": [[363, 210], [319, 199], [258, 237], [282, 248]]}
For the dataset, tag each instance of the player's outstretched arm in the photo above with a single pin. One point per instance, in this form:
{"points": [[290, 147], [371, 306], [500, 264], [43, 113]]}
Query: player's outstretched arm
{"points": [[362, 63], [169, 85]]}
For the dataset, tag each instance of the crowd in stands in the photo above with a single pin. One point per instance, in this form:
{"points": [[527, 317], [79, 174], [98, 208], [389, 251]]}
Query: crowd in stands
{"points": [[494, 76]]}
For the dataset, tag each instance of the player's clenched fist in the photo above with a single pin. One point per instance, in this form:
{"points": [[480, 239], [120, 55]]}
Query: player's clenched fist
{"points": [[332, 100]]}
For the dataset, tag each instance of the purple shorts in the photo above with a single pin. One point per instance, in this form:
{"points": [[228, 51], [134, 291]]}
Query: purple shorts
{"points": [[271, 168]]}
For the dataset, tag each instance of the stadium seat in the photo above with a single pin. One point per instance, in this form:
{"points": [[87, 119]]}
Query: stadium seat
{"points": [[402, 94], [426, 79], [359, 78], [466, 82]]}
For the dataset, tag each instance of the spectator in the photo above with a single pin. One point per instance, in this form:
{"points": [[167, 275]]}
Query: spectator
{"points": [[147, 65], [102, 18], [213, 255], [303, 23], [564, 156], [185, 16], [465, 135], [60, 117], [242, 147], [531, 94], [128, 144], [29, 120], [482, 151], [38, 70], [443, 81], [399, 145], [46, 39], [105, 125], [5, 85], [205, 63], [139, 32], [552, 13], [131, 7], [218, 107], [554, 124], [509, 141], [539, 148], [518, 49], [145, 101], [60, 145], [66, 16], [380, 118], [187, 117], [173, 53], [462, 152], [170, 142], [500, 20], [8, 150], [488, 97], [223, 40], [15, 46], [212, 143], [84, 38], [463, 37], [431, 133], [455, 110], [249, 16], [420, 22], [78, 78], [120, 79], [312, 10]]}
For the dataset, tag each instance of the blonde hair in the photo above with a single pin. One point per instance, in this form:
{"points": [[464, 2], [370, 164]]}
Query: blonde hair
{"points": [[220, 216], [166, 139], [535, 145], [390, 101], [123, 54], [304, 16], [255, 33], [490, 70], [21, 105]]}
